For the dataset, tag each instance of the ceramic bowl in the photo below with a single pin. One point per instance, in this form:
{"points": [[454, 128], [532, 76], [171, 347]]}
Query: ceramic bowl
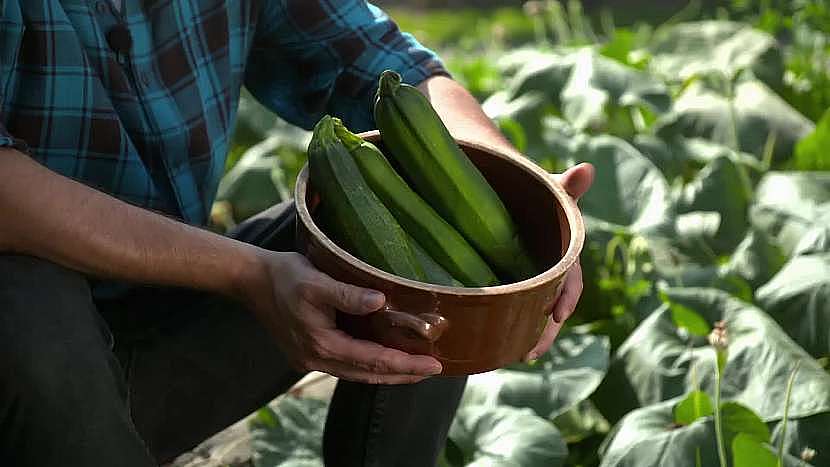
{"points": [[470, 330]]}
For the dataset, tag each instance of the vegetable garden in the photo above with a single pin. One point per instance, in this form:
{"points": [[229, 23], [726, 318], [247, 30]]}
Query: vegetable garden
{"points": [[703, 334]]}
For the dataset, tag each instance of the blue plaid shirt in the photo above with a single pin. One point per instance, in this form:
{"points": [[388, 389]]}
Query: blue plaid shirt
{"points": [[141, 102]]}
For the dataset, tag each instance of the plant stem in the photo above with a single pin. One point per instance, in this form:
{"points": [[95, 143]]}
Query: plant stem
{"points": [[718, 427], [787, 413]]}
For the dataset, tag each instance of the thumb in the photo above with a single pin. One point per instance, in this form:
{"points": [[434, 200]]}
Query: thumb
{"points": [[350, 298], [577, 180]]}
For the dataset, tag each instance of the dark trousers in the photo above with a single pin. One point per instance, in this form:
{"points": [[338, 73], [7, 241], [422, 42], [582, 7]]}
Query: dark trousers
{"points": [[138, 380]]}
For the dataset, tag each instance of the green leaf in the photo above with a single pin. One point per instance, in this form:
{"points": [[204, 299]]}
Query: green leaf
{"points": [[813, 152], [738, 418], [756, 259], [689, 320], [758, 113], [807, 432], [623, 47], [580, 84], [647, 437], [749, 452], [555, 383], [686, 50], [720, 187], [249, 186], [296, 440], [695, 405], [595, 83], [635, 196], [798, 297], [793, 209], [657, 363], [507, 436], [581, 422]]}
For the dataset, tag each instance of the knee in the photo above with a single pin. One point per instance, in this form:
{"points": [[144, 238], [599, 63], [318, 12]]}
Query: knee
{"points": [[48, 325], [30, 282]]}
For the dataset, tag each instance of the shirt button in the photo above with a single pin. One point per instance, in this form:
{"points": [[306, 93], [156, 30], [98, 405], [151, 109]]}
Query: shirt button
{"points": [[102, 7]]}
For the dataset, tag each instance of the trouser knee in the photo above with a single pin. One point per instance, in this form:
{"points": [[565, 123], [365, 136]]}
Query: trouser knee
{"points": [[51, 337]]}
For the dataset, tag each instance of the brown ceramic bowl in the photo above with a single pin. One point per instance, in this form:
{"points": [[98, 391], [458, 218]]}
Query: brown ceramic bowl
{"points": [[470, 330]]}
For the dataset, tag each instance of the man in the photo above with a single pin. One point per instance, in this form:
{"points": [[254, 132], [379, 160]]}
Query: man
{"points": [[128, 333]]}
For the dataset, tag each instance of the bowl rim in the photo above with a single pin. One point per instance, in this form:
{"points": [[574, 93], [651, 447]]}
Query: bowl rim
{"points": [[569, 207]]}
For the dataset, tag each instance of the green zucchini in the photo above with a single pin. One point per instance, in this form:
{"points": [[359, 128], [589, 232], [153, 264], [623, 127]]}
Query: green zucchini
{"points": [[350, 208], [433, 271], [443, 243], [440, 172]]}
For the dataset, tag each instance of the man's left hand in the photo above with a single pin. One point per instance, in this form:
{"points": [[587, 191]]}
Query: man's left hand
{"points": [[576, 181]]}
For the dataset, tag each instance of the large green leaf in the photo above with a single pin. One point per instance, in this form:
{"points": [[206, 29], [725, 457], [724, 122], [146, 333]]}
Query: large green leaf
{"points": [[695, 405], [813, 152], [634, 197], [793, 209], [749, 452], [581, 422], [290, 435], [555, 383], [756, 259], [759, 116], [547, 72], [249, 186], [805, 433], [527, 111], [787, 188], [506, 436], [585, 87], [685, 50], [596, 82], [798, 297], [681, 157], [720, 187], [648, 437], [738, 418], [658, 361]]}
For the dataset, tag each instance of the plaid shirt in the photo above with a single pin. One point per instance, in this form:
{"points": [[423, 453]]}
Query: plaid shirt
{"points": [[146, 115]]}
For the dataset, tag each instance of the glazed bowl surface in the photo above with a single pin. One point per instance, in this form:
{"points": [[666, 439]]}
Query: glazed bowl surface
{"points": [[470, 330]]}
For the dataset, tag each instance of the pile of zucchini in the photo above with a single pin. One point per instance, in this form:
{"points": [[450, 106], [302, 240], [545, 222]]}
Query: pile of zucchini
{"points": [[451, 229]]}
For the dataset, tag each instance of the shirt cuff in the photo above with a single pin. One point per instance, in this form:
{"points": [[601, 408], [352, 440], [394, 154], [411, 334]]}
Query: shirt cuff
{"points": [[9, 141]]}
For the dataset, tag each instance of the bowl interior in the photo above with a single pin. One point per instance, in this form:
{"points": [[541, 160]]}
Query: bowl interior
{"points": [[539, 216]]}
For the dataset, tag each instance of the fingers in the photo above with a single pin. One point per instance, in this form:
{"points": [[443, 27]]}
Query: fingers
{"points": [[548, 335], [348, 373], [563, 309], [571, 291], [339, 354], [577, 179], [323, 290]]}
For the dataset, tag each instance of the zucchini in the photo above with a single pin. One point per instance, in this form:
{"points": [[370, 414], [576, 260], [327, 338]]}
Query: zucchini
{"points": [[355, 214], [433, 271], [440, 171], [441, 241]]}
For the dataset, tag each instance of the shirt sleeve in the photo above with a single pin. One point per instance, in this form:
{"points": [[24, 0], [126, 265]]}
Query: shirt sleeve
{"points": [[312, 57], [11, 30]]}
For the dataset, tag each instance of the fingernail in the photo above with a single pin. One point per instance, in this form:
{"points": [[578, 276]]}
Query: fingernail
{"points": [[436, 369], [532, 356], [373, 300]]}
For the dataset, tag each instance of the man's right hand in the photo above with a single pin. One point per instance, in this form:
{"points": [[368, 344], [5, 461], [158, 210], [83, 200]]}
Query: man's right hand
{"points": [[297, 304]]}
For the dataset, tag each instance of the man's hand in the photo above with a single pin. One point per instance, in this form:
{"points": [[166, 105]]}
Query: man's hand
{"points": [[576, 181], [297, 304]]}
